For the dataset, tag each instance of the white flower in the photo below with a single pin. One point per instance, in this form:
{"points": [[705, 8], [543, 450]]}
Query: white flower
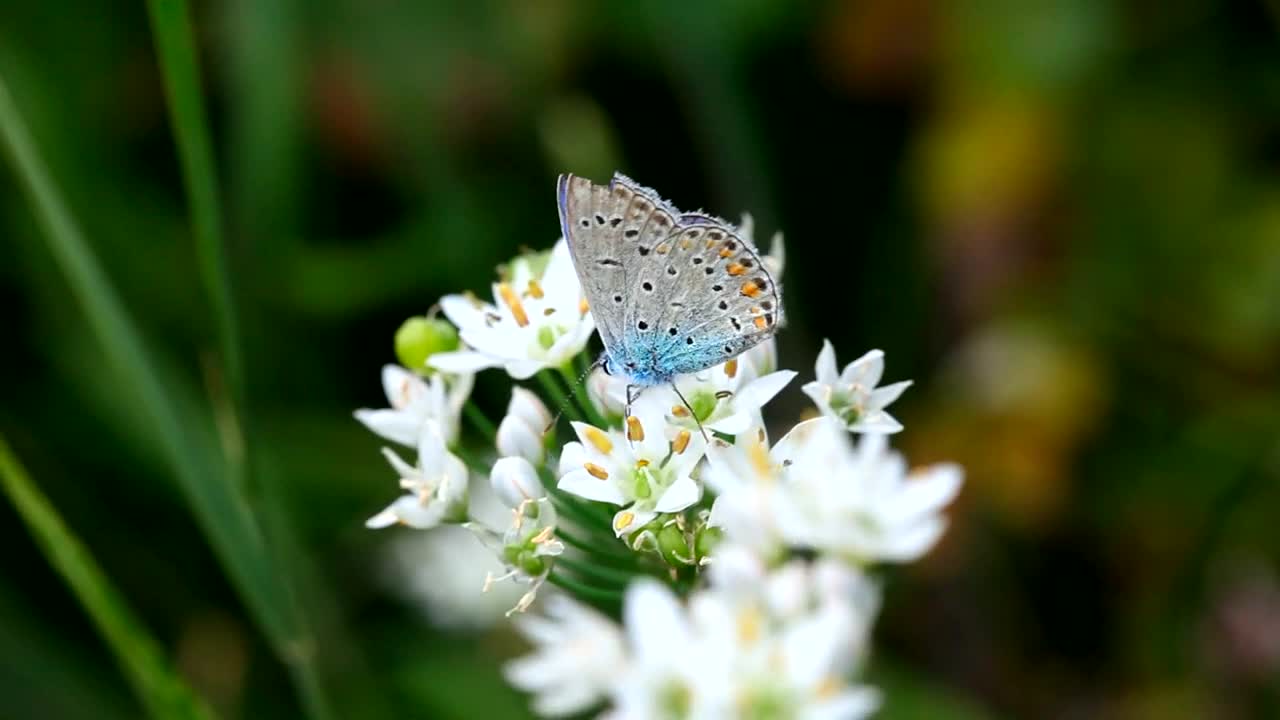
{"points": [[436, 486], [441, 572], [726, 398], [726, 657], [852, 396], [527, 548], [515, 481], [415, 400], [537, 320], [749, 481], [523, 428], [862, 504], [662, 680], [639, 468], [578, 656]]}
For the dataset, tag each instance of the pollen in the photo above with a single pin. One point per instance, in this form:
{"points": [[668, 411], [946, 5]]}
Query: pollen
{"points": [[624, 520], [534, 291], [583, 307], [642, 463], [760, 322], [548, 311], [513, 301], [635, 431], [731, 368], [736, 269], [749, 288], [597, 438], [679, 411], [596, 471], [681, 442]]}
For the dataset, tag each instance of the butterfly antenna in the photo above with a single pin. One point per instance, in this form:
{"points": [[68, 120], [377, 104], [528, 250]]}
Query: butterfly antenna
{"points": [[573, 392], [692, 414]]}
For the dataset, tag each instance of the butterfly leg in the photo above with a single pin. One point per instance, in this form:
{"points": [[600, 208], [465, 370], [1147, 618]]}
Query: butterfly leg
{"points": [[692, 414]]}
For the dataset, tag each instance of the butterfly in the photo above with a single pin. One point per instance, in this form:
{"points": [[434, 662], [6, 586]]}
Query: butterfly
{"points": [[671, 292]]}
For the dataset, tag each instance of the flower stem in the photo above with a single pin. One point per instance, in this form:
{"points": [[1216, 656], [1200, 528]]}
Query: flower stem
{"points": [[557, 395], [481, 421], [597, 573], [583, 591], [611, 553]]}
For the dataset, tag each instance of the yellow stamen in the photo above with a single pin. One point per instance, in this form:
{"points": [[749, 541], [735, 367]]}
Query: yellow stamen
{"points": [[731, 368], [736, 269], [596, 471], [517, 308], [642, 463], [681, 442], [635, 431], [548, 311], [679, 411], [583, 307], [543, 536], [596, 437], [535, 290], [623, 521]]}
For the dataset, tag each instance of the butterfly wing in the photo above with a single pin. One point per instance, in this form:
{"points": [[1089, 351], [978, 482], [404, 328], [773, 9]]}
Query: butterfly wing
{"points": [[721, 298]]}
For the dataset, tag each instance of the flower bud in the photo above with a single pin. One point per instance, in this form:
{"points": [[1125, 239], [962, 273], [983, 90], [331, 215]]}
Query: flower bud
{"points": [[674, 546], [421, 337], [514, 480], [517, 439], [526, 406]]}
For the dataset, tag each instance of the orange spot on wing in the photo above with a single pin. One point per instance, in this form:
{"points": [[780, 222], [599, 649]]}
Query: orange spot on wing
{"points": [[749, 288], [761, 323], [736, 269]]}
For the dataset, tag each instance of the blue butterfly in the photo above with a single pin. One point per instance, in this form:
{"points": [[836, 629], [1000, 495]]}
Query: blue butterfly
{"points": [[671, 292]]}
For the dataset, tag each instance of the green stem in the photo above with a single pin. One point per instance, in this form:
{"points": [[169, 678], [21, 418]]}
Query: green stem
{"points": [[551, 386], [482, 423], [599, 573], [583, 591], [612, 553]]}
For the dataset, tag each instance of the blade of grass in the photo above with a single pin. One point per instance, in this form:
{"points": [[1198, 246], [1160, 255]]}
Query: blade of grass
{"points": [[175, 47], [157, 686], [222, 514], [176, 52]]}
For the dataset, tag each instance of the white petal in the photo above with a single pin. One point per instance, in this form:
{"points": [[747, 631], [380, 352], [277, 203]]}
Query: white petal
{"points": [[400, 385], [634, 519], [865, 371], [463, 311], [402, 468], [819, 394], [462, 361], [910, 543], [431, 448], [654, 621], [881, 397], [526, 405], [825, 367], [682, 493], [517, 438], [585, 485], [522, 369], [926, 492], [394, 425], [762, 390], [734, 423], [853, 704], [877, 422]]}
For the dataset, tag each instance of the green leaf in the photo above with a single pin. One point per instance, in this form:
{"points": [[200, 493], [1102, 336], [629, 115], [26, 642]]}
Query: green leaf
{"points": [[154, 681]]}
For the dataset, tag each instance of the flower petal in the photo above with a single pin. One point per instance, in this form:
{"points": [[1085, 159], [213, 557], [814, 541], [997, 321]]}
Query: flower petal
{"points": [[585, 485], [462, 362], [682, 493], [394, 425], [825, 367]]}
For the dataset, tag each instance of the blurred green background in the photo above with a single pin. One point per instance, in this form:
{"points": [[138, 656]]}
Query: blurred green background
{"points": [[1061, 218]]}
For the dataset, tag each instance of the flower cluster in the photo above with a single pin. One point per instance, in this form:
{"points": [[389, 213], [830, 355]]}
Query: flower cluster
{"points": [[701, 571]]}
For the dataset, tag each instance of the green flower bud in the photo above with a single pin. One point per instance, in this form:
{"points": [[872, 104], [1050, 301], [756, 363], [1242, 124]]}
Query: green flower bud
{"points": [[531, 564], [421, 337], [674, 546], [707, 540]]}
